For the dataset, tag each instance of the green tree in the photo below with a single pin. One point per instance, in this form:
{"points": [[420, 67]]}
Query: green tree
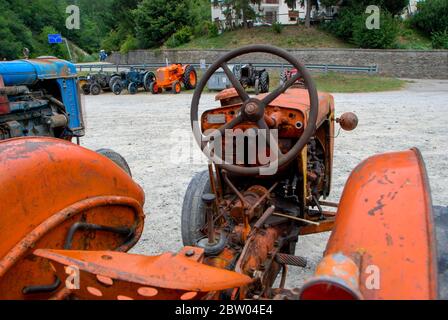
{"points": [[381, 38], [14, 35], [432, 16], [157, 20], [118, 18]]}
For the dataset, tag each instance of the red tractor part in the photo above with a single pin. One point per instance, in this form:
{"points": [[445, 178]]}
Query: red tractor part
{"points": [[57, 195]]}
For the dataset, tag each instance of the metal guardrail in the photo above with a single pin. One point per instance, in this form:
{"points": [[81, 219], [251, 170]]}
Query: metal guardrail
{"points": [[316, 67]]}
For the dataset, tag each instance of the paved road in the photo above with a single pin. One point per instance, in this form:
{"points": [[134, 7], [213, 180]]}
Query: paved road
{"points": [[152, 132]]}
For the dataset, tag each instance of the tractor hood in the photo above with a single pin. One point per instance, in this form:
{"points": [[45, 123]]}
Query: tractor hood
{"points": [[27, 72]]}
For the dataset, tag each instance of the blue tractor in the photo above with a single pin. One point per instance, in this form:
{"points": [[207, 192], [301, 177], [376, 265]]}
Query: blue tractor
{"points": [[41, 97], [132, 80]]}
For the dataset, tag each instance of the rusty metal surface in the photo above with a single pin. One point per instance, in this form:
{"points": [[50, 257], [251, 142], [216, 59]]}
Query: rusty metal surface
{"points": [[385, 220], [111, 275], [46, 186]]}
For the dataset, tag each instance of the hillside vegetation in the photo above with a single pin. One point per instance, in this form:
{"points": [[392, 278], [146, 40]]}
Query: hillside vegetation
{"points": [[297, 37], [124, 25], [290, 37]]}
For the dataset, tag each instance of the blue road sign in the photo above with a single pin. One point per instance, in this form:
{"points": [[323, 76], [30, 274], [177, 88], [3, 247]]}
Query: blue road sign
{"points": [[54, 38]]}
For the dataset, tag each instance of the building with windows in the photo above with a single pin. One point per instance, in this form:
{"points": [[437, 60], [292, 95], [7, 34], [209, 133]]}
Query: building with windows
{"points": [[271, 11]]}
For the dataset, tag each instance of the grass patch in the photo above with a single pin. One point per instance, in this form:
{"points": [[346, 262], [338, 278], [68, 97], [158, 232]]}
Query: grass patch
{"points": [[349, 83], [412, 39], [290, 37], [334, 82]]}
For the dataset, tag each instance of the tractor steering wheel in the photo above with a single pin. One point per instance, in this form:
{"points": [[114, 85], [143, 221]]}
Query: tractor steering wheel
{"points": [[253, 109]]}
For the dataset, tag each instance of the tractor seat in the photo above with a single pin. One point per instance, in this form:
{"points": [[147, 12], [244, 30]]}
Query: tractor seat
{"points": [[113, 275]]}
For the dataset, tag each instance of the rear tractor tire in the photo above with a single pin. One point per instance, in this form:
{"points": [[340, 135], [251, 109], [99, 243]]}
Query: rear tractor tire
{"points": [[117, 158], [283, 77], [264, 82], [190, 78], [113, 80]]}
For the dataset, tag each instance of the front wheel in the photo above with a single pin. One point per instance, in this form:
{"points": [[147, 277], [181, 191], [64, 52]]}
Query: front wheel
{"points": [[257, 87], [117, 158], [193, 209], [154, 88], [86, 89], [117, 88], [132, 88], [95, 89], [176, 88]]}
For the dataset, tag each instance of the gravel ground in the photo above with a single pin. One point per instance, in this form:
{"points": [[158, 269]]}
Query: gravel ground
{"points": [[152, 133]]}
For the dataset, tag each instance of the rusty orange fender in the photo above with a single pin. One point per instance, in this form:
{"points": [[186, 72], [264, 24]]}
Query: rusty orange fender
{"points": [[50, 190], [384, 226]]}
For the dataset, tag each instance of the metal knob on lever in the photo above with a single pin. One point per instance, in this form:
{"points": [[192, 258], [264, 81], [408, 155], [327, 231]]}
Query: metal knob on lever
{"points": [[348, 121]]}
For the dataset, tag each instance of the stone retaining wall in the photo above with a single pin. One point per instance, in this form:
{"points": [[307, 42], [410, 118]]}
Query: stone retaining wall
{"points": [[397, 63]]}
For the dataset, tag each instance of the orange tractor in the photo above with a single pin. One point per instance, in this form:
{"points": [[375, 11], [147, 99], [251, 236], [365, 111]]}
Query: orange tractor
{"points": [[65, 236], [172, 77]]}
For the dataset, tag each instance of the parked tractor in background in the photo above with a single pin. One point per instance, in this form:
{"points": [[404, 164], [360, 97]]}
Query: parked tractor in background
{"points": [[95, 83], [172, 77], [132, 80], [249, 76], [286, 74]]}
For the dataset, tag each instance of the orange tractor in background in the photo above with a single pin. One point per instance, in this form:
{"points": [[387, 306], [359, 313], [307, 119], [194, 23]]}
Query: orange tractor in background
{"points": [[171, 78], [65, 235]]}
